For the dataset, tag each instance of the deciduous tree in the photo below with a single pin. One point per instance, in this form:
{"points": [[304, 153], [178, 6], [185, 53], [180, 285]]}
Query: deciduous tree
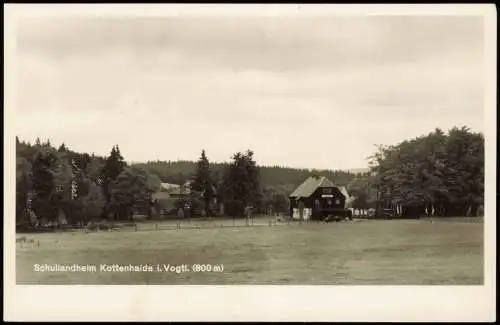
{"points": [[241, 184]]}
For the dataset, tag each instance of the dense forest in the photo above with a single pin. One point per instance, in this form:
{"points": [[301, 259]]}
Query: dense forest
{"points": [[52, 182], [287, 179], [435, 174], [438, 174]]}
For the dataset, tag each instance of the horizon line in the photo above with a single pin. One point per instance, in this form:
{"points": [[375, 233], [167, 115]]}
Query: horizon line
{"points": [[131, 162], [145, 161]]}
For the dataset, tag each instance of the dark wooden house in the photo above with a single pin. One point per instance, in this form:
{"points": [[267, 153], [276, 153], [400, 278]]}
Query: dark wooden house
{"points": [[318, 198]]}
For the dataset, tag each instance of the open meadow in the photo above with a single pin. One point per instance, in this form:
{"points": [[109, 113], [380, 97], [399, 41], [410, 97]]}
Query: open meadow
{"points": [[392, 252]]}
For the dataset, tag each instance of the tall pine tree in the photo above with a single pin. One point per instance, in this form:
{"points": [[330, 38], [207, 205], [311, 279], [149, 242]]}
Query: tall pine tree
{"points": [[203, 183], [62, 148], [113, 166]]}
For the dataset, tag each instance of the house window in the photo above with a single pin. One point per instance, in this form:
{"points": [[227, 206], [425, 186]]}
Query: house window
{"points": [[337, 201], [329, 202]]}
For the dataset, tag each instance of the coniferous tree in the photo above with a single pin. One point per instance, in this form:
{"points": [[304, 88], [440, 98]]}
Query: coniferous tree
{"points": [[113, 166], [62, 148], [43, 185], [202, 182]]}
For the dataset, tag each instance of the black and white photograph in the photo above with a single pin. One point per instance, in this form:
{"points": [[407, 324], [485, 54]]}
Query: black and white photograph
{"points": [[262, 148]]}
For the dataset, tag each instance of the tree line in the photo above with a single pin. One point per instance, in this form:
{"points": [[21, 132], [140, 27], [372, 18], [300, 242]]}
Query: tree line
{"points": [[51, 183], [177, 172], [439, 174]]}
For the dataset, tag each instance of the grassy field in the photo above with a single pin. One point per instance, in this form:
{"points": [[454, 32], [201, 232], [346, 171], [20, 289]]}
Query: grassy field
{"points": [[394, 252]]}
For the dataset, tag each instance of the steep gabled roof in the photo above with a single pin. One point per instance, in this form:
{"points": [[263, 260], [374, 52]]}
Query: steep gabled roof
{"points": [[310, 185]]}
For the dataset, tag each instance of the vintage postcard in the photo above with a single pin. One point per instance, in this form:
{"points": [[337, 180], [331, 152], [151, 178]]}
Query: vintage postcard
{"points": [[250, 162]]}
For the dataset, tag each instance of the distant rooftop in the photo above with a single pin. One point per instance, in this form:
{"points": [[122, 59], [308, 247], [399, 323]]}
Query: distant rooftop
{"points": [[169, 186]]}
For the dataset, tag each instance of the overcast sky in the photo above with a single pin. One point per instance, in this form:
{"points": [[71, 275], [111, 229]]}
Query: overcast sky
{"points": [[301, 92]]}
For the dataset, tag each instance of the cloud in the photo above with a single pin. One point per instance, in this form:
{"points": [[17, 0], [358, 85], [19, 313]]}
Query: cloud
{"points": [[257, 43], [297, 91]]}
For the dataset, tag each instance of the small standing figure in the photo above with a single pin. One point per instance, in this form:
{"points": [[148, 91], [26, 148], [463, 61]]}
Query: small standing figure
{"points": [[301, 210], [248, 214], [187, 210]]}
